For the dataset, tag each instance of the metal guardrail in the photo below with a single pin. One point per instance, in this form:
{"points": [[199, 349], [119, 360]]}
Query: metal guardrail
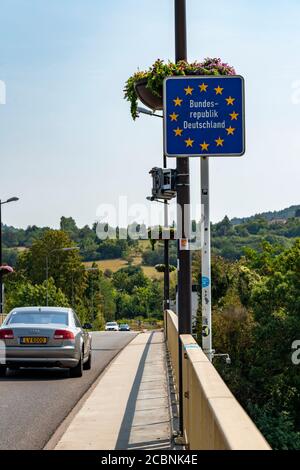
{"points": [[213, 419]]}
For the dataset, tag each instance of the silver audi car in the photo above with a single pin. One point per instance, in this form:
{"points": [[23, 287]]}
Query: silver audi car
{"points": [[45, 337]]}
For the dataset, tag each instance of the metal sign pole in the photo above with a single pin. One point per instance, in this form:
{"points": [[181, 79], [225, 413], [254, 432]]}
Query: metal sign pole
{"points": [[206, 263], [184, 307], [166, 255]]}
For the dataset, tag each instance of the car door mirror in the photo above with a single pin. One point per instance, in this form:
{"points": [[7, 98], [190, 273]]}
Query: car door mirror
{"points": [[87, 326]]}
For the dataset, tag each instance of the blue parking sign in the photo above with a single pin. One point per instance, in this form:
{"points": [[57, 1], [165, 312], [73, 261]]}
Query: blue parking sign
{"points": [[204, 116]]}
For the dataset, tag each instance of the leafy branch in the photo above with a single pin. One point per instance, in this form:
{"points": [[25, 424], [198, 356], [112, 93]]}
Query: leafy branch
{"points": [[160, 70]]}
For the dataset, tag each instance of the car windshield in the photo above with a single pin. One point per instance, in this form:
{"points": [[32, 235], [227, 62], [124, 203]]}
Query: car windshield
{"points": [[111, 324], [39, 318]]}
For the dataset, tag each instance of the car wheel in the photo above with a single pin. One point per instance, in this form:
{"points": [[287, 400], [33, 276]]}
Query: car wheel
{"points": [[88, 364], [78, 370], [3, 371]]}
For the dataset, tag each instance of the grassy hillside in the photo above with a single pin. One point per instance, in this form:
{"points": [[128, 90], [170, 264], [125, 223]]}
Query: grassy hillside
{"points": [[116, 264], [287, 213]]}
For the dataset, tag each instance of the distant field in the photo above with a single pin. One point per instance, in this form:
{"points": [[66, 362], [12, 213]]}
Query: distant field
{"points": [[112, 264], [116, 264], [150, 271]]}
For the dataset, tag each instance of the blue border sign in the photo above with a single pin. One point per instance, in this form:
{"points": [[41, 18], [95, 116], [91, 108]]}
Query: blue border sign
{"points": [[204, 116]]}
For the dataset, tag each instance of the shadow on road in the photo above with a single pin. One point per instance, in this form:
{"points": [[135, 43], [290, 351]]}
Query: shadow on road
{"points": [[35, 374]]}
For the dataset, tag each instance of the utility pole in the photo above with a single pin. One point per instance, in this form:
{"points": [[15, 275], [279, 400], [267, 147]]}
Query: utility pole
{"points": [[184, 309]]}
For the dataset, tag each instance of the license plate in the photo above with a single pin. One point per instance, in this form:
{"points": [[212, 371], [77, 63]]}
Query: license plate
{"points": [[33, 340]]}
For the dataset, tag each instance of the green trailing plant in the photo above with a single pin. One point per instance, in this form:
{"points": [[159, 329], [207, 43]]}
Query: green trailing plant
{"points": [[160, 268], [156, 74]]}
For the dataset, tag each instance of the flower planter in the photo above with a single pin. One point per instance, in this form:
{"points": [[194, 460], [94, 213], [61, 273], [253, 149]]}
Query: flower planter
{"points": [[152, 95], [146, 96]]}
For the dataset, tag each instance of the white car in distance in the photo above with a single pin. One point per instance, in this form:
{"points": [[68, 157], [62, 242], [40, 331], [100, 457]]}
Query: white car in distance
{"points": [[112, 326]]}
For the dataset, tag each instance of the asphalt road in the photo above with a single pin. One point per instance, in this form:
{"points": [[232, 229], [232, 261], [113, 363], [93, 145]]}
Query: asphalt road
{"points": [[33, 403]]}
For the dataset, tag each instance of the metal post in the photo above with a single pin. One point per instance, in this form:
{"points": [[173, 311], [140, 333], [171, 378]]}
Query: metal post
{"points": [[183, 217], [206, 263], [180, 30], [1, 293], [166, 255]]}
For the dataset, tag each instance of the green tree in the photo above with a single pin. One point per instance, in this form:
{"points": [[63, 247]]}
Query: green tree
{"points": [[99, 298], [29, 295], [256, 322], [68, 224], [65, 267], [256, 309], [223, 228], [127, 279], [137, 295]]}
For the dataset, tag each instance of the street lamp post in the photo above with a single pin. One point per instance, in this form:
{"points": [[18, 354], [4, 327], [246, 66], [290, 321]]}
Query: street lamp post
{"points": [[71, 248], [12, 199]]}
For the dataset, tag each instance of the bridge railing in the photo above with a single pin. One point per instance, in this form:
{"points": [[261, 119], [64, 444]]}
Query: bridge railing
{"points": [[213, 419]]}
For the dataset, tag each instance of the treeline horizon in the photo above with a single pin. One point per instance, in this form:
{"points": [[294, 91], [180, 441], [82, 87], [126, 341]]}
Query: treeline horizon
{"points": [[230, 238]]}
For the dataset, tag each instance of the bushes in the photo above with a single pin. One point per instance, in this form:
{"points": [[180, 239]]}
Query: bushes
{"points": [[278, 426], [29, 295], [255, 320], [154, 257], [137, 294], [10, 257]]}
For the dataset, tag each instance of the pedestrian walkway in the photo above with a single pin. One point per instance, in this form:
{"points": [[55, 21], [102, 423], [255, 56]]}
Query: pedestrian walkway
{"points": [[129, 408]]}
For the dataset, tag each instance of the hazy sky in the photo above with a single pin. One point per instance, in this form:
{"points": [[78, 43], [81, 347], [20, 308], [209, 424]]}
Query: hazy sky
{"points": [[67, 141]]}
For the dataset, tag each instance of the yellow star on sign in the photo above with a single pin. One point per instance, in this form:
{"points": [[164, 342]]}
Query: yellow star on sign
{"points": [[178, 132], [189, 142], [230, 100], [219, 142], [174, 116], [234, 116], [204, 146], [219, 90], [178, 101], [203, 87], [189, 90], [230, 130]]}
